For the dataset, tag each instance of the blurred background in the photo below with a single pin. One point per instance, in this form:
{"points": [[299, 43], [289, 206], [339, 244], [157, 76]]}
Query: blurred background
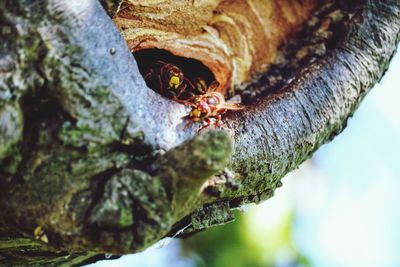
{"points": [[340, 208]]}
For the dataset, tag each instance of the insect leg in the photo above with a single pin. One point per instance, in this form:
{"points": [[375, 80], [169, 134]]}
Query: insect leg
{"points": [[208, 122], [148, 76], [161, 63], [190, 83], [187, 125], [182, 90], [218, 120], [208, 110], [191, 97]]}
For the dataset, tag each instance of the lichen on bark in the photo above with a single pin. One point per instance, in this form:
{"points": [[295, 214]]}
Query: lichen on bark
{"points": [[101, 163]]}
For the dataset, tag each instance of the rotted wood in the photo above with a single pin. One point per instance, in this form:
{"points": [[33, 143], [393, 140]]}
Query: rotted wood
{"points": [[234, 39], [92, 161]]}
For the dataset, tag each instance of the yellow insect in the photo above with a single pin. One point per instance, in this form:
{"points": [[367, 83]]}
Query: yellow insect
{"points": [[209, 107], [169, 80]]}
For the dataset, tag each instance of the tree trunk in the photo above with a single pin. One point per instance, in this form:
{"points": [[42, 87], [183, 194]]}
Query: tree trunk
{"points": [[92, 161]]}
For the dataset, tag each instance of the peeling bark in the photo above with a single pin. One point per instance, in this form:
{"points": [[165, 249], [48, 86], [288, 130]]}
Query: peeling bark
{"points": [[100, 163]]}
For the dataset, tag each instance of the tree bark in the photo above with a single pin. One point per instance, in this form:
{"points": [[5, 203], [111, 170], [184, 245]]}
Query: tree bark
{"points": [[92, 161]]}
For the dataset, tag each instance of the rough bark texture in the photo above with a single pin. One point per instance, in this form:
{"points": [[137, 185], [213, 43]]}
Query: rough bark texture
{"points": [[92, 161]]}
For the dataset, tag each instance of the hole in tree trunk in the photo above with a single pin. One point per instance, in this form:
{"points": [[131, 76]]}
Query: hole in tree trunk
{"points": [[158, 67]]}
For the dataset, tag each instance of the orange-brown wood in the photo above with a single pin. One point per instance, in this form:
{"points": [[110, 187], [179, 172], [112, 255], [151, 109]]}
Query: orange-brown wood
{"points": [[235, 39]]}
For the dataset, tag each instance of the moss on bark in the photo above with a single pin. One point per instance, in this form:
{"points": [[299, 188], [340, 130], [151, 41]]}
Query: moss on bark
{"points": [[103, 164]]}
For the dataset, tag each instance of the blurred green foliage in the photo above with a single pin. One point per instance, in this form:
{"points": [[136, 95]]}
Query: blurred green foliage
{"points": [[238, 244]]}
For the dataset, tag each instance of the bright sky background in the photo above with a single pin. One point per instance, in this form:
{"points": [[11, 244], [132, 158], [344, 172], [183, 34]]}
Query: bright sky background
{"points": [[348, 213]]}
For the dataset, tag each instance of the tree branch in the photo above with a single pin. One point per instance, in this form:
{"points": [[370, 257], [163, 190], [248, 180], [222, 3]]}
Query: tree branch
{"points": [[92, 160]]}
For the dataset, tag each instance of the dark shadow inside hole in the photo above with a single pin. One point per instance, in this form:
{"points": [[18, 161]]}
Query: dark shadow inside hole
{"points": [[192, 69]]}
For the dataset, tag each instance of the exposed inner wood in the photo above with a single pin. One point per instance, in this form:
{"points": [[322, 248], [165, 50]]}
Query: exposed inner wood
{"points": [[234, 39]]}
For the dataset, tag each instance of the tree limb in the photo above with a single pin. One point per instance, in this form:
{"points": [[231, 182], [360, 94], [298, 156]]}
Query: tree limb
{"points": [[92, 160]]}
